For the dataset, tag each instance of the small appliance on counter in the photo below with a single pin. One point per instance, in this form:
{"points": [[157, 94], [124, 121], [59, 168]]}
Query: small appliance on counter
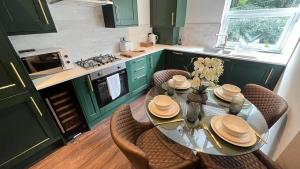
{"points": [[125, 45], [46, 61], [152, 38]]}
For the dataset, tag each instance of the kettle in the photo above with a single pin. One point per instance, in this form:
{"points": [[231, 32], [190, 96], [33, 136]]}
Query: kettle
{"points": [[152, 38]]}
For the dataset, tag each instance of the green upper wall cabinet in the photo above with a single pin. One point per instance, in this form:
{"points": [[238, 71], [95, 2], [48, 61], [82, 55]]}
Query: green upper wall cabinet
{"points": [[167, 16], [26, 17], [168, 13], [121, 13]]}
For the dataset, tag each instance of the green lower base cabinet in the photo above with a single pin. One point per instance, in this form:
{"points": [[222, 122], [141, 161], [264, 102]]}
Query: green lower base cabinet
{"points": [[87, 100], [24, 129], [237, 72], [139, 73]]}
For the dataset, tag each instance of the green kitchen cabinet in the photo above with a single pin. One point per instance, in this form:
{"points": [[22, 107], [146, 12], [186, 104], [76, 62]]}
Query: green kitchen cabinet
{"points": [[23, 129], [180, 60], [166, 17], [240, 73], [26, 126], [137, 72], [168, 13], [237, 72], [121, 13], [167, 36], [156, 62], [26, 17], [13, 77], [87, 99]]}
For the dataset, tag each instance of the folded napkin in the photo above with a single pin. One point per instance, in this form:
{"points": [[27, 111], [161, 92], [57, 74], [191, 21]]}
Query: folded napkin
{"points": [[114, 86]]}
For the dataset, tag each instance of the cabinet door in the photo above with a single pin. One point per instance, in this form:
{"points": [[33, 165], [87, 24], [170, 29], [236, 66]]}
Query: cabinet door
{"points": [[12, 78], [156, 63], [180, 60], [86, 96], [180, 13], [168, 13], [163, 13], [245, 72], [137, 74], [23, 129], [26, 16], [125, 12]]}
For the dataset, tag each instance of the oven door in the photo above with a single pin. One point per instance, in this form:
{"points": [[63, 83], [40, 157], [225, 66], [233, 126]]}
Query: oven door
{"points": [[101, 88], [43, 64]]}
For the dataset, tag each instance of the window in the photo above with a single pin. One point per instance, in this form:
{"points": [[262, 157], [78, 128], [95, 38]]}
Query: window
{"points": [[261, 25]]}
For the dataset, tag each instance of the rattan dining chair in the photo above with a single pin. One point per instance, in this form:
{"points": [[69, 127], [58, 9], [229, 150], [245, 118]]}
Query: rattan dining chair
{"points": [[272, 107], [162, 76], [144, 146]]}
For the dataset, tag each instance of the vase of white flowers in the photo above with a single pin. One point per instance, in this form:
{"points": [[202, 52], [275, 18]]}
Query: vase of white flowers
{"points": [[206, 73]]}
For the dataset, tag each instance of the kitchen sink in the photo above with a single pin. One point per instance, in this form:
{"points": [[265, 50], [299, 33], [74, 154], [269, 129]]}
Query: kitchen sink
{"points": [[216, 51]]}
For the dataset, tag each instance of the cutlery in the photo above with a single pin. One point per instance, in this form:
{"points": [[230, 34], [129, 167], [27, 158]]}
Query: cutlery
{"points": [[258, 135], [167, 122], [216, 141]]}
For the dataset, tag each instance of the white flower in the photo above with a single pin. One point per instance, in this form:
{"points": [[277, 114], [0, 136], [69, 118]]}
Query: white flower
{"points": [[200, 59], [196, 81], [207, 62], [207, 70]]}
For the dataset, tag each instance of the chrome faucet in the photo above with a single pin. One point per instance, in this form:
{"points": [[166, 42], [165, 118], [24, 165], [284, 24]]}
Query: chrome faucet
{"points": [[225, 40]]}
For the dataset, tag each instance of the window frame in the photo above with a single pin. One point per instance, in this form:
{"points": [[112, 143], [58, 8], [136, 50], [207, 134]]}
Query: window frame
{"points": [[292, 13]]}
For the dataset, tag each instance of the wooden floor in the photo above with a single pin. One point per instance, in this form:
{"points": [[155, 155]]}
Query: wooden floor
{"points": [[93, 149]]}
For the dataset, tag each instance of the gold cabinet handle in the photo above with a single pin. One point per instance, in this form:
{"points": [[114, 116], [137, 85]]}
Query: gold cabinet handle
{"points": [[7, 86], [270, 73], [17, 73], [90, 84], [172, 18], [36, 106], [43, 11]]}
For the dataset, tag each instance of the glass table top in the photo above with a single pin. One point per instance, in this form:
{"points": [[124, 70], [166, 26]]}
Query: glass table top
{"points": [[198, 139]]}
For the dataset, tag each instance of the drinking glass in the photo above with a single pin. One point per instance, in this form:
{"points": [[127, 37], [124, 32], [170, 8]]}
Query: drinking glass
{"points": [[237, 104]]}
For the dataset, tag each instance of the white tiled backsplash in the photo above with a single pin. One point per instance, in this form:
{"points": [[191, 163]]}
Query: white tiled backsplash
{"points": [[80, 29], [200, 34]]}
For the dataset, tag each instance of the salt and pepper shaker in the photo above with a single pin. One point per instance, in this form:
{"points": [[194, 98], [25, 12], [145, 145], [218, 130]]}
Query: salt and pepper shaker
{"points": [[170, 90], [237, 104]]}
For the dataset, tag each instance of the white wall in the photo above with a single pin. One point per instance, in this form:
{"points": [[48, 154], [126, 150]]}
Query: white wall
{"points": [[81, 31], [203, 21]]}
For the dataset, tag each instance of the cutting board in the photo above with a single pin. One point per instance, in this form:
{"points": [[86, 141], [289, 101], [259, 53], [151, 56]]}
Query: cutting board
{"points": [[132, 54]]}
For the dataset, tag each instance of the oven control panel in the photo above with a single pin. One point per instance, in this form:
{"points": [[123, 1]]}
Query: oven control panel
{"points": [[107, 71]]}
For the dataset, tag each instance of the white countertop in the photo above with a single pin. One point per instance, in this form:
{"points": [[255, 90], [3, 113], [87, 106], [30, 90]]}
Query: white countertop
{"points": [[77, 71]]}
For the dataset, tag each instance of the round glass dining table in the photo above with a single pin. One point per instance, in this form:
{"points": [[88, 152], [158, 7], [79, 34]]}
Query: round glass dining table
{"points": [[198, 139]]}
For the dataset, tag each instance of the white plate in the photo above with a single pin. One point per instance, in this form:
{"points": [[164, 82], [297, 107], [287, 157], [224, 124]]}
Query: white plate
{"points": [[219, 93], [185, 85], [216, 125], [172, 112]]}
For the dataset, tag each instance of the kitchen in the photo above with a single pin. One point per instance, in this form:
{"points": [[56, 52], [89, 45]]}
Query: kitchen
{"points": [[76, 31]]}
